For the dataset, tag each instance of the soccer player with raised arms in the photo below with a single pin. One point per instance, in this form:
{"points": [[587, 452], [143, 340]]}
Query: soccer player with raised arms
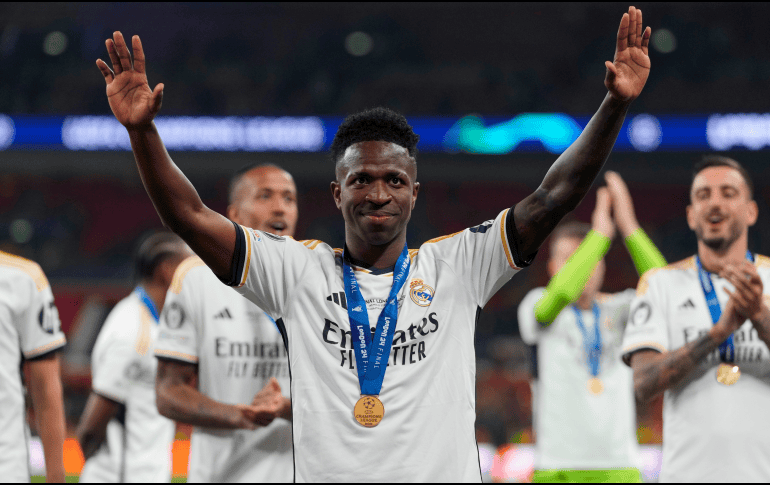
{"points": [[585, 416], [699, 332], [384, 415], [218, 353]]}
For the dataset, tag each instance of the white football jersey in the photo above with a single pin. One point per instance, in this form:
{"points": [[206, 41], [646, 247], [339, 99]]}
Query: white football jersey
{"points": [[30, 327], [711, 432], [427, 433], [237, 348], [137, 447], [577, 429]]}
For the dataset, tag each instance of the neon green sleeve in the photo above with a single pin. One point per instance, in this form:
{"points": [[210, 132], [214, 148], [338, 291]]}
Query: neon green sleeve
{"points": [[567, 285], [644, 252]]}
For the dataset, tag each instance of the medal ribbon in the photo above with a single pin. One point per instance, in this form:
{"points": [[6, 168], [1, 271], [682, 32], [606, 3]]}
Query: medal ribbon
{"points": [[592, 346], [726, 348], [142, 294], [372, 354]]}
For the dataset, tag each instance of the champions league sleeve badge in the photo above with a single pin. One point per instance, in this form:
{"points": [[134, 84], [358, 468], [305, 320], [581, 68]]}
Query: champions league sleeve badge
{"points": [[420, 293]]}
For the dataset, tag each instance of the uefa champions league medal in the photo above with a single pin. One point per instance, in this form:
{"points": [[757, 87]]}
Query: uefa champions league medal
{"points": [[592, 347], [369, 411], [372, 354], [727, 373], [595, 385]]}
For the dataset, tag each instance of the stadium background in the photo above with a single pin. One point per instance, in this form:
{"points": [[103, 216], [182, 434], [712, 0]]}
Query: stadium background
{"points": [[74, 202]]}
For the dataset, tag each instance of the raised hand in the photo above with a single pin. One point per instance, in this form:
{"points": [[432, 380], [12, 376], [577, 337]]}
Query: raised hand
{"points": [[622, 204], [601, 219], [132, 101], [628, 72]]}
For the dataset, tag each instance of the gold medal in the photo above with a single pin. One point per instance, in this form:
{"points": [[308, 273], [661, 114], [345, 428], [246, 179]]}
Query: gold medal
{"points": [[369, 411], [595, 385], [728, 374]]}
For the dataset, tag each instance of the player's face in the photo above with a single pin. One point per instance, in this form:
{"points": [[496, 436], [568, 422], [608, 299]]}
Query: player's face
{"points": [[266, 199], [720, 211], [562, 250], [376, 191]]}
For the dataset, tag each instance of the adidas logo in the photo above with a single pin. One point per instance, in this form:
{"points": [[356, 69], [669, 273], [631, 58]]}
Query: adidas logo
{"points": [[339, 299], [223, 314], [687, 304]]}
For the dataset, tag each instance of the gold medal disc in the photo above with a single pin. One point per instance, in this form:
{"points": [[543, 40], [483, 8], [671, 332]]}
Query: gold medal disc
{"points": [[728, 374], [595, 385], [369, 411]]}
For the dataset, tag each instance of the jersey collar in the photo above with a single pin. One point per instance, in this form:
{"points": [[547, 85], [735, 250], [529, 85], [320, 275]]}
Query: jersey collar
{"points": [[147, 301]]}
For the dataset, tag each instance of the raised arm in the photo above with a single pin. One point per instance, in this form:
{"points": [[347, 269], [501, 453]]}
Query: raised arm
{"points": [[641, 248], [568, 283], [570, 177], [654, 372], [179, 399], [134, 104]]}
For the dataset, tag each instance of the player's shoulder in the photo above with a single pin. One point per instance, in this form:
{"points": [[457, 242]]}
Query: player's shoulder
{"points": [[762, 262], [677, 272], [187, 273], [17, 268], [124, 318]]}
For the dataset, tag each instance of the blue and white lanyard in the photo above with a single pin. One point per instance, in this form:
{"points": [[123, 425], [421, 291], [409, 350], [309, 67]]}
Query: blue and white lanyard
{"points": [[592, 346]]}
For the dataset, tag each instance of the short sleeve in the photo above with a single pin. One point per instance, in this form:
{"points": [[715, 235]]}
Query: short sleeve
{"points": [[484, 256], [529, 328], [647, 327], [181, 321], [114, 356], [37, 318], [268, 267]]}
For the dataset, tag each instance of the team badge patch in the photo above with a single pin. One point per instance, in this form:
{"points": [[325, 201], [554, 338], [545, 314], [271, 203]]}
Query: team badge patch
{"points": [[174, 315], [421, 293]]}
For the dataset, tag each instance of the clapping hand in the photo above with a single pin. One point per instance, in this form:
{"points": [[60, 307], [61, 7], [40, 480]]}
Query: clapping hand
{"points": [[628, 72], [132, 101], [601, 218], [622, 205]]}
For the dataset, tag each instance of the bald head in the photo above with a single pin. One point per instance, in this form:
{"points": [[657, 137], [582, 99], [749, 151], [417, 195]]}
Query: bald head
{"points": [[264, 197]]}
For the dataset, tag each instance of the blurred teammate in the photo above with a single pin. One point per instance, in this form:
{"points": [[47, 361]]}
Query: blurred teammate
{"points": [[699, 330], [585, 417], [122, 436], [31, 333], [217, 350], [357, 422]]}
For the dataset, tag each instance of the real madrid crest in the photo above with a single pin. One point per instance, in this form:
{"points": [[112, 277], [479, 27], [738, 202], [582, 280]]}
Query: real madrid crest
{"points": [[420, 293]]}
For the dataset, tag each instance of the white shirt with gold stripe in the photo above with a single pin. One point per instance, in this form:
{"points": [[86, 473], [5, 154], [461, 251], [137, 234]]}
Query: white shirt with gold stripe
{"points": [[30, 327], [137, 447], [427, 433], [237, 349], [711, 432]]}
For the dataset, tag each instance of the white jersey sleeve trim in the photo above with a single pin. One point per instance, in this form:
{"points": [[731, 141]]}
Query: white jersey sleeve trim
{"points": [[44, 349], [175, 355]]}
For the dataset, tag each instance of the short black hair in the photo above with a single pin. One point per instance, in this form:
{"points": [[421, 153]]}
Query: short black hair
{"points": [[238, 175], [153, 250], [722, 161], [376, 124]]}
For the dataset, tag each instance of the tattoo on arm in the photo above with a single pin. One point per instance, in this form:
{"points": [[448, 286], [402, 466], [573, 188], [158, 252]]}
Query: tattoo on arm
{"points": [[179, 399], [653, 374]]}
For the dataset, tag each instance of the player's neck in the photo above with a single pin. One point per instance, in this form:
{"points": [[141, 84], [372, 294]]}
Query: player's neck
{"points": [[585, 301], [375, 256], [156, 292], [713, 260]]}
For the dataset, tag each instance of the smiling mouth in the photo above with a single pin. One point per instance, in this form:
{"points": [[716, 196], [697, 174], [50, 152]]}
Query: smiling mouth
{"points": [[276, 227]]}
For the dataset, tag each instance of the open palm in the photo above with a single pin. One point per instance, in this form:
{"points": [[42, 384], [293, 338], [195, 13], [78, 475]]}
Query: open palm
{"points": [[628, 72], [132, 101]]}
